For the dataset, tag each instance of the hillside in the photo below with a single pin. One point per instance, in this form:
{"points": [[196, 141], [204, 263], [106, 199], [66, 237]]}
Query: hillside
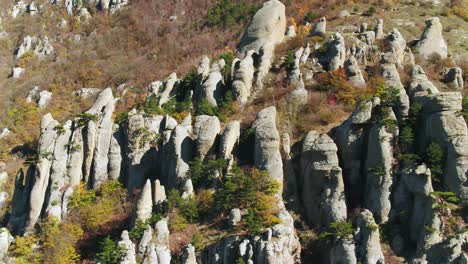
{"points": [[233, 131]]}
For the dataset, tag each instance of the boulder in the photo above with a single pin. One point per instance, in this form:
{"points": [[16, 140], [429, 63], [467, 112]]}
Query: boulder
{"points": [[234, 217], [268, 26], [229, 139], [392, 79], [204, 66], [17, 72], [291, 32], [454, 77], [5, 241], [39, 46], [396, 44], [431, 41], [169, 85], [212, 88]]}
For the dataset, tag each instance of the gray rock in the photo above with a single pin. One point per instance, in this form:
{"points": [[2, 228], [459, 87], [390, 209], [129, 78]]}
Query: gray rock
{"points": [[144, 206], [129, 249], [234, 217], [305, 54], [115, 155], [75, 157], [87, 92], [343, 251], [454, 77], [58, 172], [188, 255], [5, 133], [42, 173], [367, 37], [5, 241], [39, 46], [229, 139], [320, 28], [243, 77], [321, 181], [392, 79], [353, 72], [206, 130], [20, 201], [187, 189], [335, 55], [204, 66], [431, 40], [449, 251], [379, 169], [169, 84], [268, 26], [378, 29], [159, 194], [420, 82], [145, 241], [17, 72], [396, 44], [212, 88], [267, 154], [291, 32], [367, 239]]}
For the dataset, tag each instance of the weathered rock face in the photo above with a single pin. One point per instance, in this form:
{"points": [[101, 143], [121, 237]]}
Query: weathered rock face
{"points": [[413, 196], [335, 55], [353, 72], [321, 181], [177, 152], [454, 77], [343, 251], [367, 239], [420, 82], [243, 77], [320, 29], [267, 154], [396, 45], [267, 27], [42, 173], [40, 97], [39, 46], [5, 240], [451, 250], [295, 73], [229, 139], [20, 200], [144, 206], [441, 125], [379, 169], [204, 66], [378, 29], [392, 80], [206, 131], [431, 41], [169, 84], [129, 249], [213, 88]]}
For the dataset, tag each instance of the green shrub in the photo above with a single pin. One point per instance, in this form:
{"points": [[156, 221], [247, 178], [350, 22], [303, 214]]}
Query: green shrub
{"points": [[203, 174], [121, 118], [309, 17], [341, 229], [228, 57], [435, 161], [464, 111], [227, 13], [289, 61], [81, 197], [84, 118], [205, 108], [109, 252], [253, 223], [137, 231]]}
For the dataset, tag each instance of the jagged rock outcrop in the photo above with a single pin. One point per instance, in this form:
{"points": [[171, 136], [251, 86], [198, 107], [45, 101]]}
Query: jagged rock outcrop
{"points": [[396, 45], [378, 29], [144, 205], [353, 73], [351, 139], [213, 87], [305, 54], [267, 154], [159, 194], [243, 77], [39, 46], [204, 66], [128, 249], [229, 139], [367, 239], [420, 82], [335, 54], [5, 241], [40, 97], [42, 173], [169, 85], [431, 41], [206, 130], [392, 80], [295, 72], [177, 152], [441, 124], [452, 250], [413, 206], [379, 167], [454, 77], [320, 28], [268, 26], [321, 181], [234, 217]]}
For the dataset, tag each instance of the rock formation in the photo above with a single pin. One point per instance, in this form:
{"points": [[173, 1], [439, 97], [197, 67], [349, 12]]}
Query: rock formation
{"points": [[335, 54], [353, 73], [431, 41], [320, 29], [454, 77]]}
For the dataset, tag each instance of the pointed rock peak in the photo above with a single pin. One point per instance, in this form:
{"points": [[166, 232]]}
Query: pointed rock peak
{"points": [[102, 100], [46, 120]]}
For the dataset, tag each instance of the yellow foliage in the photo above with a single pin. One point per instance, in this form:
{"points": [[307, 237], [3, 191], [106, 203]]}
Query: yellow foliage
{"points": [[24, 252], [60, 242]]}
